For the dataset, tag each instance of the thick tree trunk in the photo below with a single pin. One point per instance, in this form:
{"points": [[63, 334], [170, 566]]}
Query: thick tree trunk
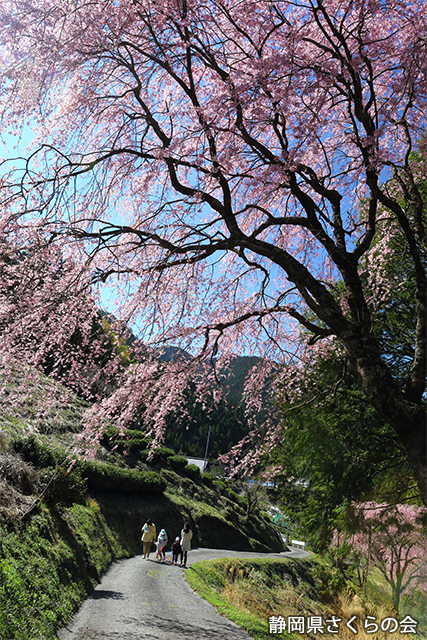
{"points": [[407, 418], [403, 410]]}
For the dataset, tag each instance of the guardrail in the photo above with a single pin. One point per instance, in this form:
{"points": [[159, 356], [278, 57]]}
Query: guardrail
{"points": [[298, 544]]}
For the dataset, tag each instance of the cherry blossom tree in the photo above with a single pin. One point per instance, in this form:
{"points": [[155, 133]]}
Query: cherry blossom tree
{"points": [[50, 322], [211, 160], [392, 538]]}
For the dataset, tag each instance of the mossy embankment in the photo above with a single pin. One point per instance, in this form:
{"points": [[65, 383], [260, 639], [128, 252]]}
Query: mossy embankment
{"points": [[49, 563]]}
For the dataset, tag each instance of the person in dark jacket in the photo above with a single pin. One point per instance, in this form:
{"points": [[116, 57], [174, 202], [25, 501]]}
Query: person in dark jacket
{"points": [[176, 552]]}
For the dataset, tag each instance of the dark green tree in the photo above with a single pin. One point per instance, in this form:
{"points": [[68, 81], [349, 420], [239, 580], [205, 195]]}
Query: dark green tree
{"points": [[335, 450]]}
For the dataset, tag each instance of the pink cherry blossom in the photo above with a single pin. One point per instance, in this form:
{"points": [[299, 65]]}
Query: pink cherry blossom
{"points": [[224, 168], [392, 538]]}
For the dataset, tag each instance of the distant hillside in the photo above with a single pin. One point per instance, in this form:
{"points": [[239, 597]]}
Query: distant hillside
{"points": [[168, 353], [236, 375], [48, 411], [227, 421], [188, 433]]}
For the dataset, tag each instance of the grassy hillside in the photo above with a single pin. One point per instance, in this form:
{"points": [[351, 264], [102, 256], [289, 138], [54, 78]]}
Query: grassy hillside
{"points": [[249, 592], [46, 406], [49, 563]]}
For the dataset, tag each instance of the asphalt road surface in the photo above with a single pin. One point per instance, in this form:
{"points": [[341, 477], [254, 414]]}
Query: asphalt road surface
{"points": [[141, 599]]}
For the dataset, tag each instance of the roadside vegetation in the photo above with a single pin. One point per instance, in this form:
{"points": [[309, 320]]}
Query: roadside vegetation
{"points": [[49, 564], [249, 592]]}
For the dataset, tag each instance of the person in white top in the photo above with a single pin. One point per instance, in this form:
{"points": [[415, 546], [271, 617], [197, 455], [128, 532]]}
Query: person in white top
{"points": [[186, 535]]}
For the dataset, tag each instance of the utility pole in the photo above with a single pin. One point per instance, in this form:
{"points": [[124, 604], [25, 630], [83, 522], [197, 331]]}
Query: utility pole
{"points": [[206, 450]]}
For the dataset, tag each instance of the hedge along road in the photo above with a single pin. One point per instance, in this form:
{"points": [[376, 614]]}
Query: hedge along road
{"points": [[140, 599]]}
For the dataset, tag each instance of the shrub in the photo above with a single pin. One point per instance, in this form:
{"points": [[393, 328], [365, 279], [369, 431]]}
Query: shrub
{"points": [[37, 451], [207, 478], [329, 582], [161, 453], [220, 485], [136, 434], [102, 475], [233, 496], [177, 462], [132, 441], [62, 487], [136, 445], [192, 471]]}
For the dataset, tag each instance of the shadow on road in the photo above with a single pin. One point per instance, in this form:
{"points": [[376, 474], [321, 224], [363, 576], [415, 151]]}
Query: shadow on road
{"points": [[172, 625], [108, 595], [163, 627], [167, 626]]}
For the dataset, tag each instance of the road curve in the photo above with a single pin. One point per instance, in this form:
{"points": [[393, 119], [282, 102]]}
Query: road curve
{"points": [[142, 599]]}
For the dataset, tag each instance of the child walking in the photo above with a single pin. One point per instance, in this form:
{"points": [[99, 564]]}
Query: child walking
{"points": [[176, 551], [161, 545]]}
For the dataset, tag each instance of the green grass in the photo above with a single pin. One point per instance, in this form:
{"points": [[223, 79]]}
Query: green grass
{"points": [[235, 586], [48, 565], [248, 592]]}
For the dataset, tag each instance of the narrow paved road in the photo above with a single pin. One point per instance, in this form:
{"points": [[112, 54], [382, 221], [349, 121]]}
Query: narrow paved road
{"points": [[142, 599]]}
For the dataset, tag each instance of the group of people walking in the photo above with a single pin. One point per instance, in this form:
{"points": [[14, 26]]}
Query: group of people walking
{"points": [[179, 549]]}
